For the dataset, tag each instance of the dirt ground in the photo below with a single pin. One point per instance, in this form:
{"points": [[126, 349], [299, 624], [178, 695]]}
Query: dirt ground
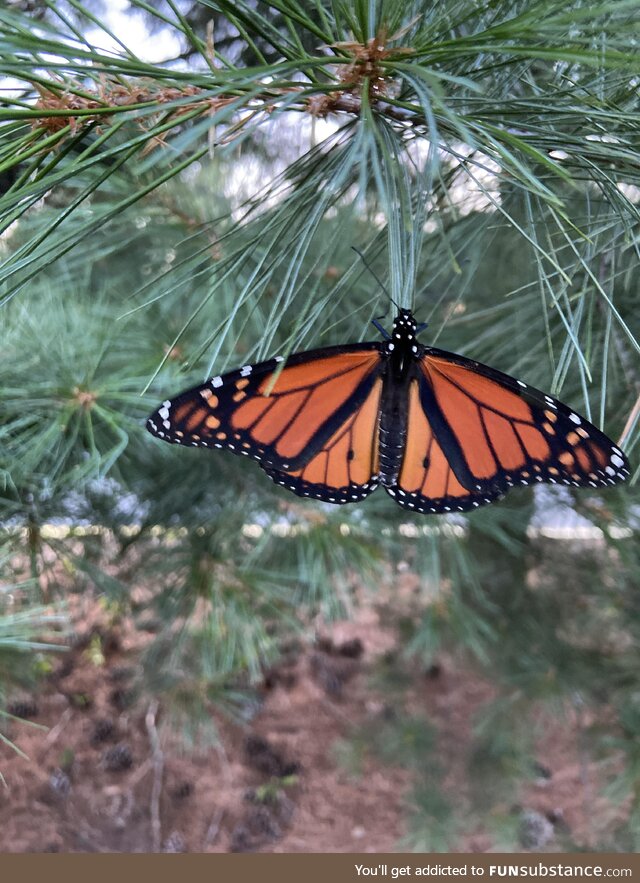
{"points": [[104, 775]]}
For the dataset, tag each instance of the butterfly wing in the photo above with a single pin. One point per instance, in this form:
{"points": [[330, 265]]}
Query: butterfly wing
{"points": [[474, 432], [345, 468], [280, 416], [427, 481]]}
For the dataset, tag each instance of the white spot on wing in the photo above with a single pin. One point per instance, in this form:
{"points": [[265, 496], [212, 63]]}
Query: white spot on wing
{"points": [[575, 419], [216, 381], [245, 370], [617, 461]]}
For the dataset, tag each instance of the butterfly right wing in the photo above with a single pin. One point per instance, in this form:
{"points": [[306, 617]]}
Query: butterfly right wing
{"points": [[473, 433], [427, 482]]}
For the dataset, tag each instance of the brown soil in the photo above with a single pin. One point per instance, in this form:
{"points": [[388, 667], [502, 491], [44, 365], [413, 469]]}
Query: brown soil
{"points": [[93, 782]]}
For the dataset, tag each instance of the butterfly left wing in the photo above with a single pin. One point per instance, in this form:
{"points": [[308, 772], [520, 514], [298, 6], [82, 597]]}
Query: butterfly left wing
{"points": [[280, 416], [345, 469], [474, 432]]}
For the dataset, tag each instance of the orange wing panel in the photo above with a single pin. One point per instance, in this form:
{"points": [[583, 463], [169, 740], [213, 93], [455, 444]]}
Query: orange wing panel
{"points": [[301, 401], [465, 419], [321, 404], [313, 373], [345, 469], [504, 441], [427, 482], [483, 389]]}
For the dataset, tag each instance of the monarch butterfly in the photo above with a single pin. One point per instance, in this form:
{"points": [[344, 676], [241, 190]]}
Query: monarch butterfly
{"points": [[440, 432]]}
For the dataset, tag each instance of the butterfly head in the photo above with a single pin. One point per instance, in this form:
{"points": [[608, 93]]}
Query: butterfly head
{"points": [[404, 324], [402, 341]]}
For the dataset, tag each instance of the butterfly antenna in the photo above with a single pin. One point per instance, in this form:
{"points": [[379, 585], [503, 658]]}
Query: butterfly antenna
{"points": [[375, 275]]}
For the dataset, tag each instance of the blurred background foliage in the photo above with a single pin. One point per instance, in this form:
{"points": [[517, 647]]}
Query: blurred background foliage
{"points": [[188, 197]]}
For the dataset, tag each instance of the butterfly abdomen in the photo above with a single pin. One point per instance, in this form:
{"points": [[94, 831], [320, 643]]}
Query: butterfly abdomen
{"points": [[390, 463], [392, 436]]}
